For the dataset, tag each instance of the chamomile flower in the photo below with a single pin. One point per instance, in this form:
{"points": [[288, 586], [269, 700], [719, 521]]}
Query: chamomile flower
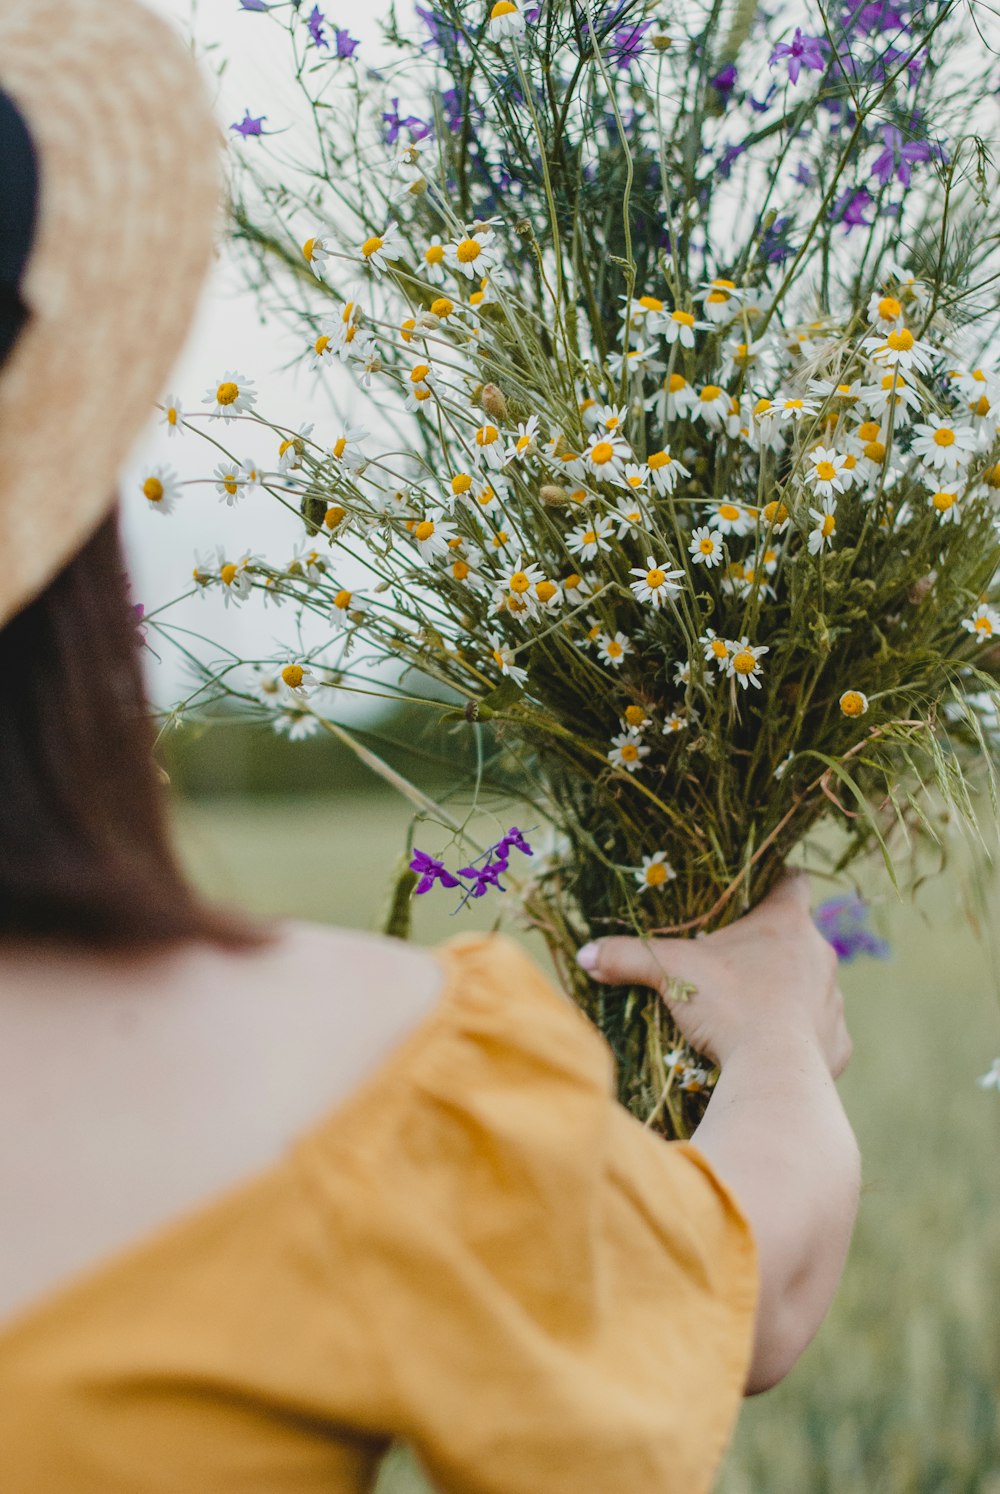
{"points": [[506, 23], [316, 251], [346, 448], [235, 578], [434, 262], [627, 751], [706, 547], [547, 594], [296, 681], [775, 517], [674, 723], [490, 446], [484, 498], [654, 871], [473, 254], [794, 407], [431, 536], [173, 415], [635, 718], [612, 648], [503, 658], [291, 449], [711, 404], [676, 400], [296, 725], [821, 535], [525, 440], [232, 396], [656, 584], [943, 444], [637, 363], [891, 390], [229, 482], [645, 311], [519, 579], [682, 672], [719, 300], [631, 516], [826, 471], [730, 518], [379, 249], [324, 348], [743, 663], [899, 349], [885, 312], [681, 327], [161, 488], [945, 503], [348, 608], [577, 588], [665, 471], [983, 624], [605, 454], [634, 478], [420, 395], [853, 703]]}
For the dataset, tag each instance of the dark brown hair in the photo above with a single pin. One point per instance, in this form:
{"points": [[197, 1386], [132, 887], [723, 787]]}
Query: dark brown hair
{"points": [[85, 853]]}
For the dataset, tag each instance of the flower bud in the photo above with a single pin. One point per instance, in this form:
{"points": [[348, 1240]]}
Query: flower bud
{"points": [[494, 401], [553, 495]]}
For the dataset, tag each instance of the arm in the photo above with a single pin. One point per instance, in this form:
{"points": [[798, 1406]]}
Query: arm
{"points": [[768, 1011]]}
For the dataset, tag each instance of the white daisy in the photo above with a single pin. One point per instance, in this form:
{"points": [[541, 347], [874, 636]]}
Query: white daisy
{"points": [[711, 404], [379, 248], [706, 547], [506, 23], [235, 578], [613, 647], [346, 448], [720, 300], [606, 453], [229, 482], [431, 536], [891, 389], [681, 326], [792, 407], [637, 362], [232, 396], [730, 518], [316, 251], [490, 446], [674, 723], [525, 439], [173, 415], [677, 399], [296, 681], [348, 608], [587, 540], [655, 584], [611, 417], [503, 658], [627, 751], [631, 516], [826, 473], [983, 624], [474, 253], [821, 536], [945, 502], [899, 349], [945, 445], [161, 488], [434, 262], [885, 312], [654, 871], [743, 663], [291, 449], [665, 471]]}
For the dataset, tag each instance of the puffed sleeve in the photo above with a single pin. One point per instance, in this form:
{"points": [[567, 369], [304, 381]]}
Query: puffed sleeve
{"points": [[552, 1298]]}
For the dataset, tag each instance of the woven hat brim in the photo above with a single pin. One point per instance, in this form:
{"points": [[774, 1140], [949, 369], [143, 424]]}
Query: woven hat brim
{"points": [[129, 165]]}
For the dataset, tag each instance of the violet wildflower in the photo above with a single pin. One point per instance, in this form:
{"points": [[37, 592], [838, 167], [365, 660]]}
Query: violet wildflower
{"points": [[850, 208], [345, 45], [315, 23], [482, 878], [803, 175], [774, 244], [898, 156], [801, 51], [394, 122], [843, 922], [254, 5], [627, 44], [430, 870], [725, 81], [249, 126], [515, 838]]}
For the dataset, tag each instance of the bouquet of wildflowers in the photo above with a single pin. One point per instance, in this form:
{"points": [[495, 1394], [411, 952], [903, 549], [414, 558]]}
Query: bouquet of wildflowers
{"points": [[674, 466]]}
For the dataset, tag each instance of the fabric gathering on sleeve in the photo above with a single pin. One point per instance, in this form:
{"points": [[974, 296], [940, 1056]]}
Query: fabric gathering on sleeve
{"points": [[552, 1297]]}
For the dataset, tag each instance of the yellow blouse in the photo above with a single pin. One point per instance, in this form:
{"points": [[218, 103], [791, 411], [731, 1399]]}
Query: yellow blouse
{"points": [[478, 1252]]}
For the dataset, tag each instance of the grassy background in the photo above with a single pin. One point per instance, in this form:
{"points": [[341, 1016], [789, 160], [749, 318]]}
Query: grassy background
{"points": [[901, 1390]]}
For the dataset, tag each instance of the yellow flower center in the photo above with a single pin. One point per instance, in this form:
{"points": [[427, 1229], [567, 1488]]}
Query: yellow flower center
{"points": [[944, 437], [589, 537], [500, 539], [293, 675], [172, 415], [635, 715], [227, 393], [635, 481], [828, 525], [744, 662], [153, 489], [545, 591], [334, 515], [434, 254], [424, 529], [901, 341], [762, 406], [983, 625], [850, 462], [498, 656], [519, 583], [676, 383], [372, 246], [659, 459], [683, 317], [725, 284], [227, 575], [419, 374], [613, 650], [655, 578], [343, 599], [486, 435], [421, 393], [774, 512], [572, 581], [320, 345], [601, 453], [630, 753], [442, 307], [875, 451], [710, 392], [793, 404], [991, 476], [707, 545], [230, 484], [406, 329], [853, 703], [981, 406], [825, 471], [460, 570], [719, 648], [468, 250], [461, 483], [339, 447], [943, 501], [728, 511], [889, 308], [650, 303], [308, 249], [502, 8], [656, 874]]}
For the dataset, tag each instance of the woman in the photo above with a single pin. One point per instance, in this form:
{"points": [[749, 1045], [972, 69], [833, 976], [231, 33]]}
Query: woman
{"points": [[273, 1197]]}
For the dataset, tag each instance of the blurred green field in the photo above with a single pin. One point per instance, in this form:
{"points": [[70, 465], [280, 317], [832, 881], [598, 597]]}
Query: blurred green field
{"points": [[900, 1393]]}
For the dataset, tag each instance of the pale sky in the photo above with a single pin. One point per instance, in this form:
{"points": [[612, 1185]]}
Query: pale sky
{"points": [[227, 335]]}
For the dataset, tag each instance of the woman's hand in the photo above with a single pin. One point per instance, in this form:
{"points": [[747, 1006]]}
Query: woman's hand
{"points": [[770, 971]]}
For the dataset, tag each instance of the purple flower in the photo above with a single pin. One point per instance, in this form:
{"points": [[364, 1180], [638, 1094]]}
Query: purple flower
{"points": [[515, 838], [850, 208], [898, 156], [394, 123], [346, 45], [880, 17], [803, 175], [483, 878], [843, 922], [627, 43], [725, 81], [249, 126], [774, 245], [801, 51], [728, 159], [254, 5], [315, 23], [430, 870]]}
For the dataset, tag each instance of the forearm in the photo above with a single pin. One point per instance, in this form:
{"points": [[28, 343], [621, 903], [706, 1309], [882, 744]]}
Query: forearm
{"points": [[776, 1133]]}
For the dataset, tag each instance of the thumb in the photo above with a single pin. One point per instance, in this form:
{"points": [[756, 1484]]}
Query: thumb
{"points": [[625, 961]]}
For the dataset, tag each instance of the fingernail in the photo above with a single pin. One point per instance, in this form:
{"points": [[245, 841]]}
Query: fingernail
{"points": [[586, 957]]}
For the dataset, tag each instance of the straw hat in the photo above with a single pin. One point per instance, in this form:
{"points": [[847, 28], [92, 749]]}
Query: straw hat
{"points": [[128, 161]]}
